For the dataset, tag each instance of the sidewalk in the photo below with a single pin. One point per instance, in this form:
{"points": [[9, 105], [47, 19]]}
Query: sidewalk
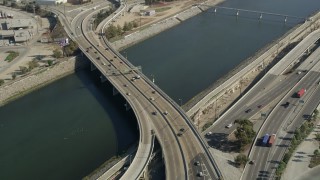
{"points": [[297, 167]]}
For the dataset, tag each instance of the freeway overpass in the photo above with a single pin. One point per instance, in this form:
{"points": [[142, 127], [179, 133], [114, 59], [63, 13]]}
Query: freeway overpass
{"points": [[156, 113]]}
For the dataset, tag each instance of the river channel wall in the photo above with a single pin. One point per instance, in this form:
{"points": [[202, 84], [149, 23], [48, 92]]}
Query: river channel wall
{"points": [[258, 62], [161, 26], [39, 78]]}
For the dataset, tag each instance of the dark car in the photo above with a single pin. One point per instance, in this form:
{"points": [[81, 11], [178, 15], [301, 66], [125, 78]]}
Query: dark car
{"points": [[260, 106], [286, 104], [248, 110]]}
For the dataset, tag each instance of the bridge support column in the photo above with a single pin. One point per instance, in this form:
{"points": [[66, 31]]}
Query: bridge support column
{"points": [[260, 17], [103, 78], [114, 91], [285, 19], [92, 67], [237, 13], [215, 10], [127, 105]]}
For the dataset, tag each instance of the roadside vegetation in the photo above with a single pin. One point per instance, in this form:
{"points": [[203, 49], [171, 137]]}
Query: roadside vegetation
{"points": [[244, 133], [103, 14], [299, 135], [206, 126], [1, 82], [241, 160], [117, 31], [12, 55]]}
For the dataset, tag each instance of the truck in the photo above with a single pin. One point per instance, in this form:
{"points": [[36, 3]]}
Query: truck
{"points": [[271, 139], [301, 92], [265, 139]]}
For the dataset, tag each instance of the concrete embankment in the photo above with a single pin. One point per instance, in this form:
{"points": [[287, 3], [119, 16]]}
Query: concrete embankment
{"points": [[21, 86], [161, 26], [232, 81]]}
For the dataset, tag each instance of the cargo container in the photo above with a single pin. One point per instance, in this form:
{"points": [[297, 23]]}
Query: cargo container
{"points": [[272, 139], [301, 93]]}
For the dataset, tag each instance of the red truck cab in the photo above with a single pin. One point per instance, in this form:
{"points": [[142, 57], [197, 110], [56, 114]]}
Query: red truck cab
{"points": [[272, 139], [301, 92]]}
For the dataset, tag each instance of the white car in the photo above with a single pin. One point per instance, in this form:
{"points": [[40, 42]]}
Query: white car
{"points": [[209, 133], [229, 125]]}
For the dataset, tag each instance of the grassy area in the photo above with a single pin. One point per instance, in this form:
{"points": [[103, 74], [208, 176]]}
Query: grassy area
{"points": [[162, 9], [12, 55]]}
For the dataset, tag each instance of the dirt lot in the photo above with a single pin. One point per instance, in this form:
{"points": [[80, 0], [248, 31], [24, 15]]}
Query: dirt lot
{"points": [[163, 10]]}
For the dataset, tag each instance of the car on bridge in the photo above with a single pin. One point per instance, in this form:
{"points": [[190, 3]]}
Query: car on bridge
{"points": [[229, 125], [248, 110]]}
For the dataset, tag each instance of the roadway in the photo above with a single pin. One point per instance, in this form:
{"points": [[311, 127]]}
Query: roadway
{"points": [[269, 90], [283, 122], [180, 152], [272, 86]]}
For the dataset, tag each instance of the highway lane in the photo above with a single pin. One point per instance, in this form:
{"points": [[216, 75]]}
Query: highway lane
{"points": [[295, 53], [280, 122], [176, 165], [176, 149], [272, 86]]}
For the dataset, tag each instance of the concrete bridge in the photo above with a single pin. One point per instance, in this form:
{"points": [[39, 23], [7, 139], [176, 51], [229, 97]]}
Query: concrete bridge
{"points": [[258, 14], [157, 114]]}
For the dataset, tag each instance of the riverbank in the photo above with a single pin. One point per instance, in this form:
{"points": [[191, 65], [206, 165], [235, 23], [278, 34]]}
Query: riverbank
{"points": [[39, 78], [161, 25]]}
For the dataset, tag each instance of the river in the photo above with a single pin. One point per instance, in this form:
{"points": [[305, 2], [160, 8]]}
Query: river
{"points": [[68, 128]]}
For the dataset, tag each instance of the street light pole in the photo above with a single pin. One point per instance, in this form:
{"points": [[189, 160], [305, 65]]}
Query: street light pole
{"points": [[153, 80]]}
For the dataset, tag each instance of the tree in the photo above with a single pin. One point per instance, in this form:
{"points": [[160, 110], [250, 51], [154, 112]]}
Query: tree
{"points": [[303, 128], [33, 64], [1, 82], [318, 136], [135, 24], [297, 134], [316, 152], [50, 62], [119, 30], [287, 157], [280, 168], [23, 69], [111, 32], [244, 132], [241, 159], [14, 75], [316, 113], [57, 53]]}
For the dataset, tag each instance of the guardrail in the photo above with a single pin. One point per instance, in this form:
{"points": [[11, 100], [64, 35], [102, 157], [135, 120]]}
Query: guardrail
{"points": [[173, 103]]}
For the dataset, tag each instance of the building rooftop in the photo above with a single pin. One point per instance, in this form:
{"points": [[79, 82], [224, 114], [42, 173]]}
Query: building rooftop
{"points": [[18, 23], [6, 33]]}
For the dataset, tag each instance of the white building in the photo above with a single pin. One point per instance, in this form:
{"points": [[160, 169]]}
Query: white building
{"points": [[50, 2]]}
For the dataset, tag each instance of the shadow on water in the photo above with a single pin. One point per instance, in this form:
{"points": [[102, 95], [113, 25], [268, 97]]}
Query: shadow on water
{"points": [[126, 131]]}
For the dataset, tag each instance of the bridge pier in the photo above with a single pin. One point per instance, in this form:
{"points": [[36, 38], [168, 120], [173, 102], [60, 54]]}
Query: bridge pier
{"points": [[114, 91], [92, 67], [285, 19], [127, 105], [103, 78], [260, 17]]}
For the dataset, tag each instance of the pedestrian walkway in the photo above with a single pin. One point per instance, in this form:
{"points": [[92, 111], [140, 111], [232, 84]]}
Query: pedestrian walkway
{"points": [[297, 167]]}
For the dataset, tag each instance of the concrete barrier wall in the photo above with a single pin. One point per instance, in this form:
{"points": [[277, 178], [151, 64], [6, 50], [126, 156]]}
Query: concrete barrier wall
{"points": [[295, 35], [37, 79]]}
